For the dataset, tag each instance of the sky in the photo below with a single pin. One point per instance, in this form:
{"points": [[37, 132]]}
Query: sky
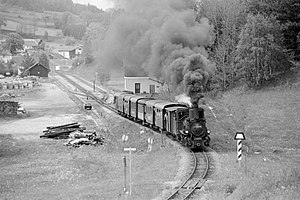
{"points": [[101, 4]]}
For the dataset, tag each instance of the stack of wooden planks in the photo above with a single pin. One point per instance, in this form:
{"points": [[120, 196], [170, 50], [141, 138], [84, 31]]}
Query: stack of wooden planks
{"points": [[62, 131]]}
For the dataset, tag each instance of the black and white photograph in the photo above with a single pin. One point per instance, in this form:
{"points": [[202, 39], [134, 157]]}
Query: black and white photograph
{"points": [[149, 99]]}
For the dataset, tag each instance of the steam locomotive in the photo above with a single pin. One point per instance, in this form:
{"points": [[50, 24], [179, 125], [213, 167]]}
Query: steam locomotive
{"points": [[186, 124]]}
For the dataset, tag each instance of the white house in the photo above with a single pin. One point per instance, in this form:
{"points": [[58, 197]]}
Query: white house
{"points": [[70, 51], [142, 84], [30, 44]]}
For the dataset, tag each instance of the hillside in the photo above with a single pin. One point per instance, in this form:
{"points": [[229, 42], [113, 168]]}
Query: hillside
{"points": [[24, 21], [270, 120]]}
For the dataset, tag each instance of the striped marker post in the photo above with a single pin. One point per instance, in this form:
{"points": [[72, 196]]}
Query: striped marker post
{"points": [[239, 150], [239, 136]]}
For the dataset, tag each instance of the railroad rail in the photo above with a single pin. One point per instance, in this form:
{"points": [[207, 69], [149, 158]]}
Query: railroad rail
{"points": [[196, 179]]}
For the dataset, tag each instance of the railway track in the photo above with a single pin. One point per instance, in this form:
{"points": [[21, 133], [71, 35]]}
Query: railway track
{"points": [[196, 179], [89, 94]]}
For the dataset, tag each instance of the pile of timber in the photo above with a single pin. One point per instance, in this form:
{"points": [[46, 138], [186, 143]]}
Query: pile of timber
{"points": [[62, 131], [79, 138], [76, 134]]}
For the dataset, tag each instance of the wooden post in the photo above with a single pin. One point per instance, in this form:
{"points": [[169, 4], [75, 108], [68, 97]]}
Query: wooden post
{"points": [[124, 160]]}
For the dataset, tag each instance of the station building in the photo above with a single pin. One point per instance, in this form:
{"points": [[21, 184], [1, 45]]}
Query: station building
{"points": [[142, 85]]}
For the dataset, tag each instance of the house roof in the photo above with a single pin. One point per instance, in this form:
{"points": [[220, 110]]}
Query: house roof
{"points": [[35, 65], [68, 48], [30, 42], [142, 77]]}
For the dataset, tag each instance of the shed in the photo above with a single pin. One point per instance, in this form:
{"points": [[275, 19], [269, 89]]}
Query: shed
{"points": [[37, 69], [142, 85]]}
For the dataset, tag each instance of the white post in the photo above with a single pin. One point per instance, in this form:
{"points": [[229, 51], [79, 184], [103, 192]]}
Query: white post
{"points": [[130, 188], [130, 149]]}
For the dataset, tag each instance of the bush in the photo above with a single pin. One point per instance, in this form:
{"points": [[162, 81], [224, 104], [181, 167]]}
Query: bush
{"points": [[70, 41], [88, 59], [77, 61], [103, 76]]}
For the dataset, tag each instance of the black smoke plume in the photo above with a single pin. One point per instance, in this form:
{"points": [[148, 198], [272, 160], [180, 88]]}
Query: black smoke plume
{"points": [[161, 39]]}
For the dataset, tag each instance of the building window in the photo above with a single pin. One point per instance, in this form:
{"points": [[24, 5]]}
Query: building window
{"points": [[137, 87], [152, 89]]}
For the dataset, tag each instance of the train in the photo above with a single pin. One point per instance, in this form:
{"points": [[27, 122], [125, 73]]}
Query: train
{"points": [[187, 124]]}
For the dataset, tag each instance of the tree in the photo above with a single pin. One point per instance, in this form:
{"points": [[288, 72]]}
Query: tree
{"points": [[69, 41], [46, 35], [46, 18], [77, 61], [27, 62], [88, 59], [287, 13], [103, 75], [13, 43], [2, 21], [228, 17], [21, 28], [258, 55], [75, 30], [43, 59], [87, 17]]}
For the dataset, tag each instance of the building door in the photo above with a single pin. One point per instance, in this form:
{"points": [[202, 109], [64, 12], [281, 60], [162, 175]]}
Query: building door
{"points": [[137, 88], [152, 89]]}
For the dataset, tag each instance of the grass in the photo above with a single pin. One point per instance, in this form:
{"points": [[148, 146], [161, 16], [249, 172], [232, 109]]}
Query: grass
{"points": [[270, 120], [34, 168]]}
